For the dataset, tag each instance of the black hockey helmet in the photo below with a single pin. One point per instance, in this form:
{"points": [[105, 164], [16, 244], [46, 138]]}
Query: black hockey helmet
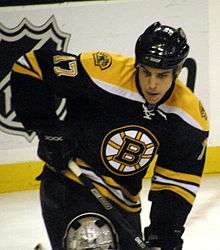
{"points": [[162, 47]]}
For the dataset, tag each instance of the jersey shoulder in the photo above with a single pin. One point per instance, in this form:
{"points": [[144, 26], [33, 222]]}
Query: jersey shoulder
{"points": [[110, 69], [184, 103]]}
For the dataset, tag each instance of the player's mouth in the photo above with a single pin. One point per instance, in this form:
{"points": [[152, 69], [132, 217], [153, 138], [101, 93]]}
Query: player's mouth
{"points": [[152, 93], [152, 96]]}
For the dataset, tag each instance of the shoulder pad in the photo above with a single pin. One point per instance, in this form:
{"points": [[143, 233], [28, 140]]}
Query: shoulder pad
{"points": [[186, 104], [110, 68]]}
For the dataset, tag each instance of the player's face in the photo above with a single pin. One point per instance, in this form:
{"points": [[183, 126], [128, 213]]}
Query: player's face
{"points": [[154, 82]]}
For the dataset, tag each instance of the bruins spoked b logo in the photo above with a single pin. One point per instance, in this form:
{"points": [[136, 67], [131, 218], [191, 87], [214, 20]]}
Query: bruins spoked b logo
{"points": [[128, 150]]}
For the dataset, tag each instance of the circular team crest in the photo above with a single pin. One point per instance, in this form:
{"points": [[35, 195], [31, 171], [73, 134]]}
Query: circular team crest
{"points": [[128, 150]]}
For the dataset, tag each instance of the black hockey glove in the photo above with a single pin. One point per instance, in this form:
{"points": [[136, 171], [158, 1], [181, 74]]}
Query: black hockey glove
{"points": [[164, 239], [56, 147]]}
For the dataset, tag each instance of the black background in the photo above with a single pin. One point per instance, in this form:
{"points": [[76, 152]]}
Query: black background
{"points": [[31, 2]]}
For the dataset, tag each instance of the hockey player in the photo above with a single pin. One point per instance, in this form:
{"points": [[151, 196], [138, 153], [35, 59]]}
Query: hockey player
{"points": [[121, 113]]}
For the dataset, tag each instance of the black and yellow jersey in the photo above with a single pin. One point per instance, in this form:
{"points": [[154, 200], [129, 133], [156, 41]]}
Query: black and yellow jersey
{"points": [[117, 137]]}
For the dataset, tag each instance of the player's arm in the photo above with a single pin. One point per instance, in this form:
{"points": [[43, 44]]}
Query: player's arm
{"points": [[35, 87], [174, 187]]}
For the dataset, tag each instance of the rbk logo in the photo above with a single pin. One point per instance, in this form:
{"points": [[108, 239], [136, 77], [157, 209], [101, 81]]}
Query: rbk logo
{"points": [[13, 44]]}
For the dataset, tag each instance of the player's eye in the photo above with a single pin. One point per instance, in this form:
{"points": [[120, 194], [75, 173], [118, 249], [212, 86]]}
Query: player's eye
{"points": [[162, 76], [146, 72]]}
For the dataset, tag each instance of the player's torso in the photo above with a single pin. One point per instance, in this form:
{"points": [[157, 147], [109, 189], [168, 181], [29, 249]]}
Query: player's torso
{"points": [[114, 133]]}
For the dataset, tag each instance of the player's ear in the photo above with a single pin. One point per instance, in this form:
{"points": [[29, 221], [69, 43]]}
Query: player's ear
{"points": [[178, 69]]}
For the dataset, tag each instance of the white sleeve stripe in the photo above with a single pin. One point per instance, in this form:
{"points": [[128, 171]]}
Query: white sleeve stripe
{"points": [[134, 96], [189, 187], [116, 192], [24, 62], [180, 112]]}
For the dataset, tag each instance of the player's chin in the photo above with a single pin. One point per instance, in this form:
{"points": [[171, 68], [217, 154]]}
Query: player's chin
{"points": [[153, 99]]}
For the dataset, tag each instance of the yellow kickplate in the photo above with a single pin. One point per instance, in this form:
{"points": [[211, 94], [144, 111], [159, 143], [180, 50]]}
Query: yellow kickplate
{"points": [[21, 176]]}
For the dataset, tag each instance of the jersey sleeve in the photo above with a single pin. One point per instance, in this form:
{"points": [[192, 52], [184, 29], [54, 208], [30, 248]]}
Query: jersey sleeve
{"points": [[176, 181], [32, 100], [181, 173], [180, 164], [38, 79], [182, 154]]}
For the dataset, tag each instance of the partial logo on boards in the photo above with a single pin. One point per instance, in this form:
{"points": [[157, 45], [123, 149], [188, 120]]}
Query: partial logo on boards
{"points": [[102, 59], [128, 150], [15, 42]]}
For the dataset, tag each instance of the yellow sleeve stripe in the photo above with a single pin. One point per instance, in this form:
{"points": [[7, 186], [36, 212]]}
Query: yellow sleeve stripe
{"points": [[69, 174], [23, 69], [111, 197], [183, 193], [82, 163], [109, 181], [135, 199], [178, 175], [33, 61], [105, 193]]}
